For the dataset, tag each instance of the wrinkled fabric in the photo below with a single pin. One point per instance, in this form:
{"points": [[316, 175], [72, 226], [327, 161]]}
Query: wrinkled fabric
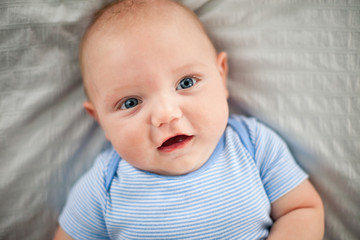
{"points": [[294, 64]]}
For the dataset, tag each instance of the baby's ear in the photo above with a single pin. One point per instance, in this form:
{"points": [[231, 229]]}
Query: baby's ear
{"points": [[90, 109], [223, 68]]}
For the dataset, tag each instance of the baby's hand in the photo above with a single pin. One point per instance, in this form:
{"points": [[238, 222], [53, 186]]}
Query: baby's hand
{"points": [[299, 214], [61, 235]]}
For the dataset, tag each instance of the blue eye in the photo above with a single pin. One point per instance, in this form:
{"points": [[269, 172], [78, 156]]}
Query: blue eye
{"points": [[130, 103], [185, 83]]}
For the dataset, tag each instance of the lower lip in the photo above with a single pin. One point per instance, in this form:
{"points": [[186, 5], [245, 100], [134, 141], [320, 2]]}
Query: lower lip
{"points": [[176, 146]]}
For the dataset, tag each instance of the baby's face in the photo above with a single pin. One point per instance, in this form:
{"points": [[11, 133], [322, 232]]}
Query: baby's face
{"points": [[159, 93]]}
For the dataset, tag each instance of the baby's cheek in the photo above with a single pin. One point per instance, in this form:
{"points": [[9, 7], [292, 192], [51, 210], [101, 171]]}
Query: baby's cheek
{"points": [[125, 141]]}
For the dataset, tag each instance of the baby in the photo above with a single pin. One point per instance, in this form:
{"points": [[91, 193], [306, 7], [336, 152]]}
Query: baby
{"points": [[179, 167]]}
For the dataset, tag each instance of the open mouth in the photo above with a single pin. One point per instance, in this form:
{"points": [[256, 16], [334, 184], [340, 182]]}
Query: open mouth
{"points": [[175, 142]]}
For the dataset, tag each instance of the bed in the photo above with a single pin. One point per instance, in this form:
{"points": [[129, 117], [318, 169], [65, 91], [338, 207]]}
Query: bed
{"points": [[294, 64]]}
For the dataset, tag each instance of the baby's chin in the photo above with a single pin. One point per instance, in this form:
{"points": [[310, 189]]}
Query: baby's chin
{"points": [[177, 169]]}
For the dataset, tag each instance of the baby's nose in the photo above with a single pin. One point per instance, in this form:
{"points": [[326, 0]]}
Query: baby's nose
{"points": [[165, 112]]}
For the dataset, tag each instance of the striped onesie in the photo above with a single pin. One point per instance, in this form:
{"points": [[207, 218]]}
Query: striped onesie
{"points": [[229, 197]]}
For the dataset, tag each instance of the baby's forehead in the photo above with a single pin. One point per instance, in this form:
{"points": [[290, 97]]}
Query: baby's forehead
{"points": [[115, 21]]}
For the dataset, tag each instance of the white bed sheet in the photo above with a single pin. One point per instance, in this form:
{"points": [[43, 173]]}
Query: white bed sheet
{"points": [[293, 64]]}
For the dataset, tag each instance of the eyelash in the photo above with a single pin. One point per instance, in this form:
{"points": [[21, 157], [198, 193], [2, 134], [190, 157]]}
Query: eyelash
{"points": [[193, 78], [121, 104]]}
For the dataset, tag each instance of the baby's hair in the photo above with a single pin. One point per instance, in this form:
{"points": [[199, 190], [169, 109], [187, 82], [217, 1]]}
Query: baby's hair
{"points": [[119, 9]]}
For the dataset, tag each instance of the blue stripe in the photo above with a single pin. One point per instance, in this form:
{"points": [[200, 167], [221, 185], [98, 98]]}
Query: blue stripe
{"points": [[241, 128], [113, 166]]}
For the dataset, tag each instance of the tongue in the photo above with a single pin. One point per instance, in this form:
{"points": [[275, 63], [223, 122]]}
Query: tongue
{"points": [[173, 140]]}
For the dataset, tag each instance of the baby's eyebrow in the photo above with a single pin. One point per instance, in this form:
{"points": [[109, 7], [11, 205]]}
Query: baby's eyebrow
{"points": [[114, 93], [189, 67]]}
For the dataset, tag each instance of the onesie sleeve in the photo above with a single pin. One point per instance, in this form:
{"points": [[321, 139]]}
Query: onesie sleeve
{"points": [[83, 214], [278, 170]]}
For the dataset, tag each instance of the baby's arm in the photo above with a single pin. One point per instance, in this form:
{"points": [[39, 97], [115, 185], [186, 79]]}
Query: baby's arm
{"points": [[61, 235], [299, 214]]}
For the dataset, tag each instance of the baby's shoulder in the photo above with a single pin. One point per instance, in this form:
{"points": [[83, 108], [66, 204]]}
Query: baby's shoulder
{"points": [[250, 123], [97, 173], [249, 126], [255, 128], [103, 159]]}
